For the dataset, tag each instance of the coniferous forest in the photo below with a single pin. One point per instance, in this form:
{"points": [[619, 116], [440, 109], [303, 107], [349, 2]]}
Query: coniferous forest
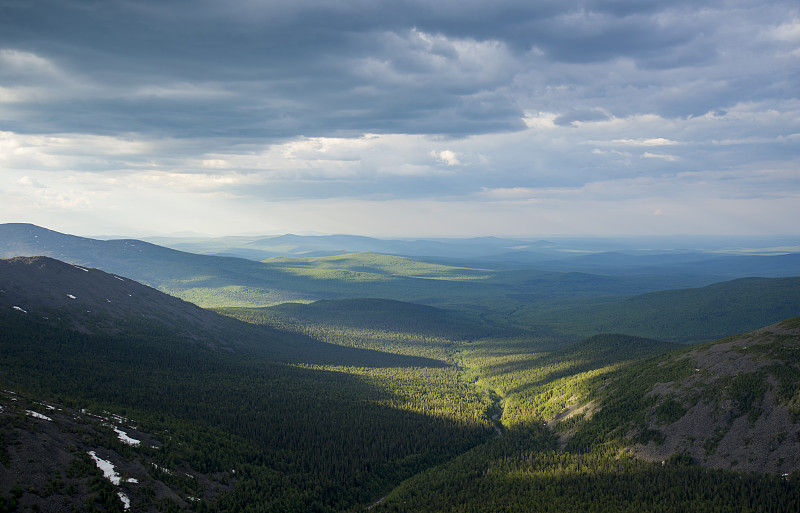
{"points": [[397, 385]]}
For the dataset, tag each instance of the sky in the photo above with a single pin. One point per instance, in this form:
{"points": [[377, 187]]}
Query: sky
{"points": [[401, 118]]}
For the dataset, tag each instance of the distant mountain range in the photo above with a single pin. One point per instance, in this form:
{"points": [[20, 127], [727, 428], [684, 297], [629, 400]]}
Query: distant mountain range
{"points": [[261, 248], [602, 296], [496, 249]]}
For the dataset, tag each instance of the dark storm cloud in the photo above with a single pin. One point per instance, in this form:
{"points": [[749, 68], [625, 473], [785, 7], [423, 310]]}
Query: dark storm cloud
{"points": [[496, 105], [280, 69]]}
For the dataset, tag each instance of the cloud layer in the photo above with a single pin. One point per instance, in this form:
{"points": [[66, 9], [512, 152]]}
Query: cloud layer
{"points": [[401, 118]]}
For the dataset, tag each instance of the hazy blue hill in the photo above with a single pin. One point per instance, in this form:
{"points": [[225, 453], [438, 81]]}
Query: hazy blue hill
{"points": [[221, 281], [527, 297], [681, 263], [199, 278], [260, 248], [468, 283], [618, 259], [766, 266], [685, 315]]}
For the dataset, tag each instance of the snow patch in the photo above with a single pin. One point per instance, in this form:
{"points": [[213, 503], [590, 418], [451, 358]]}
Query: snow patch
{"points": [[38, 415], [81, 268], [124, 438], [20, 309], [107, 467], [71, 296], [126, 502], [117, 277]]}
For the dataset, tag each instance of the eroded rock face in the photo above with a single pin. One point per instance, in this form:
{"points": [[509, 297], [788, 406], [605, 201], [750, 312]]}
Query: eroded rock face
{"points": [[733, 404], [741, 404]]}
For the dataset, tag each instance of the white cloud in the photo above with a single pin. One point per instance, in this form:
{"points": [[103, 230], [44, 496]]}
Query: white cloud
{"points": [[510, 193], [657, 141], [446, 157], [191, 182], [660, 156], [626, 154], [66, 152], [562, 117], [789, 31], [20, 63], [540, 120]]}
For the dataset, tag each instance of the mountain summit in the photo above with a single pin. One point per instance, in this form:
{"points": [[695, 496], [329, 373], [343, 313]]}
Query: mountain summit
{"points": [[89, 300]]}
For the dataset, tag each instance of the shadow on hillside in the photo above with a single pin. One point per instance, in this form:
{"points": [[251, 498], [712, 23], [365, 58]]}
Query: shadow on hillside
{"points": [[292, 347]]}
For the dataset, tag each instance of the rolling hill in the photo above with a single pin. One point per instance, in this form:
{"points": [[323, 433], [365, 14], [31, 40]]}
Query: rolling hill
{"points": [[212, 281], [685, 315], [218, 280], [566, 304]]}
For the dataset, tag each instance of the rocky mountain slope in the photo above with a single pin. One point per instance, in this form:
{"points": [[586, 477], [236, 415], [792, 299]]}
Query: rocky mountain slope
{"points": [[89, 300], [732, 403]]}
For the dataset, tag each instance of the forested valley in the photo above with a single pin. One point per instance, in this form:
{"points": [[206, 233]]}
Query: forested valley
{"points": [[571, 392]]}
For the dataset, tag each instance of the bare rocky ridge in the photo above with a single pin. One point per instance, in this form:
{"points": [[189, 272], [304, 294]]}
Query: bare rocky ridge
{"points": [[755, 429], [92, 301]]}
